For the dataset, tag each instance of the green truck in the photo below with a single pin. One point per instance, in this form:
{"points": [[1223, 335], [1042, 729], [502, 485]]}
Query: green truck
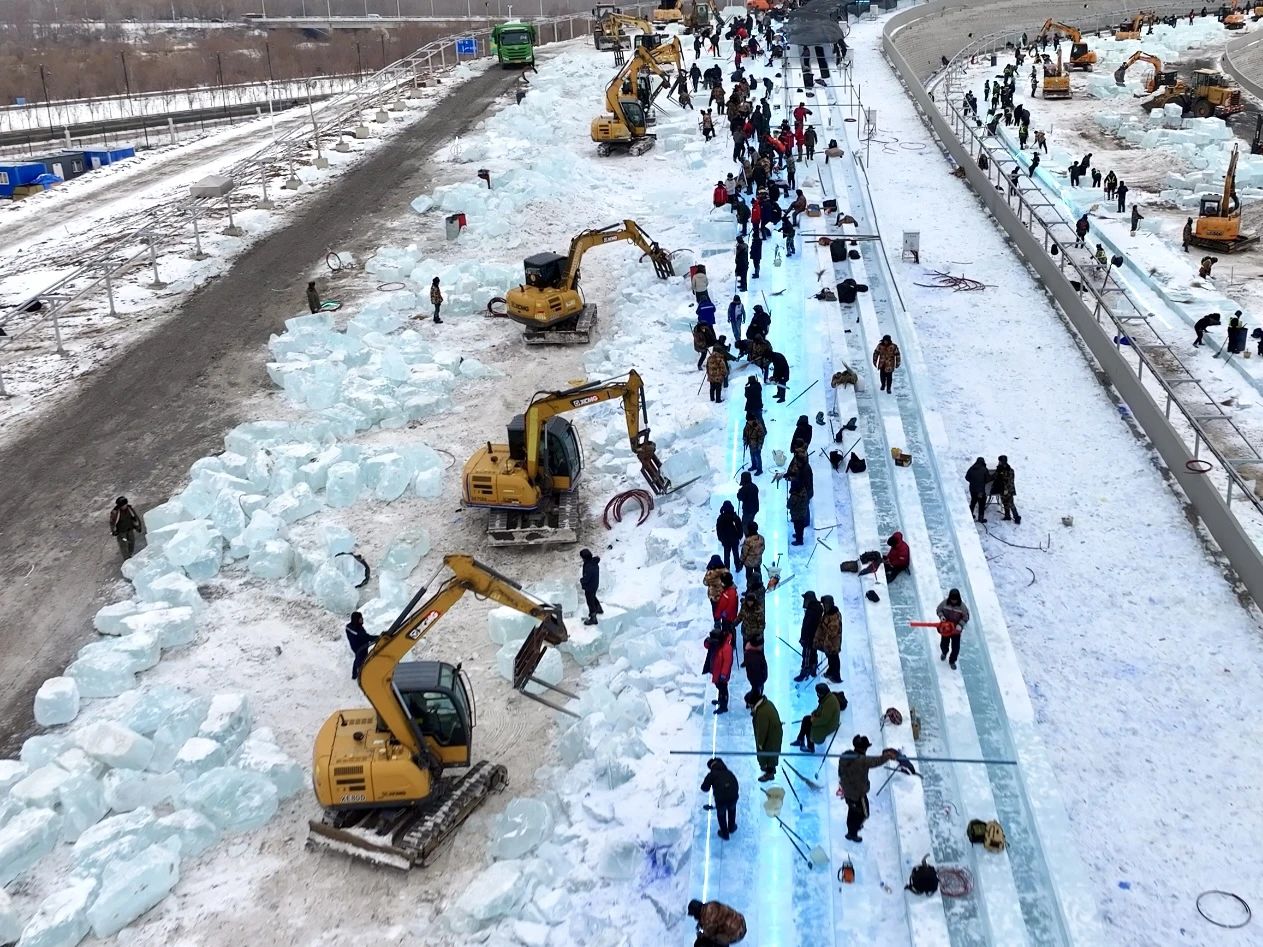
{"points": [[514, 43]]}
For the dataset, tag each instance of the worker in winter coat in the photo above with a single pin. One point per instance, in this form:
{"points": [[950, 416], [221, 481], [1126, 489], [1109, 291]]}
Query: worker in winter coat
{"points": [[717, 924], [717, 373], [1003, 485], [752, 617], [799, 474], [755, 663], [819, 725], [313, 297], [760, 323], [754, 397], [853, 767], [748, 499], [886, 359], [1187, 236], [361, 642], [741, 264], [1204, 323], [810, 139], [898, 557], [590, 582], [719, 650], [1208, 264], [699, 282], [799, 504], [722, 783], [695, 75], [977, 477], [812, 610], [768, 734], [1081, 229], [726, 605], [720, 195], [742, 210], [736, 318], [125, 525], [1121, 191], [436, 298], [752, 556], [829, 638], [753, 436], [713, 579], [703, 340], [953, 615], [780, 374], [1136, 218], [802, 433], [800, 114], [729, 530]]}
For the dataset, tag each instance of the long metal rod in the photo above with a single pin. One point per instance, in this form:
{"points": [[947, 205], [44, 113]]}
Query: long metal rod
{"points": [[835, 756]]}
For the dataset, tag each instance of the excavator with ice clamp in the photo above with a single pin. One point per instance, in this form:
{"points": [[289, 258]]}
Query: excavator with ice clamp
{"points": [[382, 773], [550, 303], [529, 483], [628, 100], [1080, 56]]}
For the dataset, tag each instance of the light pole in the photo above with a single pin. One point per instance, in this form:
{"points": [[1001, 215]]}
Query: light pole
{"points": [[43, 81], [271, 113], [321, 160]]}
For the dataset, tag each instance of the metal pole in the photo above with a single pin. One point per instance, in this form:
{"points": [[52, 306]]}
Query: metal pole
{"points": [[263, 6], [321, 161], [109, 291], [57, 330], [153, 261], [197, 241], [271, 111], [43, 81]]}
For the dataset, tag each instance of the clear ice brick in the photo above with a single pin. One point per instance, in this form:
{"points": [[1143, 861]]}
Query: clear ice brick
{"points": [[57, 701], [28, 837], [61, 920], [132, 886], [520, 828], [227, 721], [115, 745], [236, 800]]}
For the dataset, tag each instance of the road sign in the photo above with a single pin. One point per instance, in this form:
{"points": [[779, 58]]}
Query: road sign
{"points": [[467, 46]]}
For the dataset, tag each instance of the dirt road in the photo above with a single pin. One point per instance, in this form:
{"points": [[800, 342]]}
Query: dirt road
{"points": [[135, 426]]}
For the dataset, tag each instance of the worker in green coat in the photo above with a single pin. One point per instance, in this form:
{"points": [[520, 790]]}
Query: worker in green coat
{"points": [[821, 723], [767, 733]]}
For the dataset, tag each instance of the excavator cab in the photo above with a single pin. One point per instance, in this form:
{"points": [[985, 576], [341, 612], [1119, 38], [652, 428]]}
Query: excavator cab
{"points": [[440, 708], [560, 456], [544, 270]]}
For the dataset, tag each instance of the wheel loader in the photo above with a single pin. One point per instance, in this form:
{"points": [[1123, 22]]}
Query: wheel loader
{"points": [[383, 773]]}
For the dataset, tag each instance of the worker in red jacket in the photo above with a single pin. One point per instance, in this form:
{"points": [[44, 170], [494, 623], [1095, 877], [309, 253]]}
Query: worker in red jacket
{"points": [[726, 604], [719, 648], [898, 558], [800, 115], [720, 196]]}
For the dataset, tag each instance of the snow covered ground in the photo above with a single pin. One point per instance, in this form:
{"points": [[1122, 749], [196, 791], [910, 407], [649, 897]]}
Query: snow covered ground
{"points": [[1137, 657], [34, 373]]}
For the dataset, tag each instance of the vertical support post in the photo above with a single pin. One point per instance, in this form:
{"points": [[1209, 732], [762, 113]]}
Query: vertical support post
{"points": [[197, 240], [109, 290], [153, 261], [57, 331]]}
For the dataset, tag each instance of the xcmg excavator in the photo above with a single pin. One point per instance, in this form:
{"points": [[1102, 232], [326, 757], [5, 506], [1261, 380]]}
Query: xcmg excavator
{"points": [[1218, 223], [1125, 31], [529, 483], [628, 98], [380, 772], [550, 303], [1210, 94], [1080, 56], [702, 13]]}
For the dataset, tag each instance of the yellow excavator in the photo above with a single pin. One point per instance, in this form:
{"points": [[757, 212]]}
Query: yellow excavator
{"points": [[702, 13], [667, 53], [1056, 83], [1218, 223], [618, 29], [628, 99], [1125, 31], [381, 772], [1080, 56], [550, 303], [1162, 78], [1234, 19], [529, 483], [667, 11]]}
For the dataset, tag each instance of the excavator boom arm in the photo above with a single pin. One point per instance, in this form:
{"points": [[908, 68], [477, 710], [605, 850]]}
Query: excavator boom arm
{"points": [[641, 60], [632, 392], [1138, 56], [1229, 205], [1074, 35], [417, 620]]}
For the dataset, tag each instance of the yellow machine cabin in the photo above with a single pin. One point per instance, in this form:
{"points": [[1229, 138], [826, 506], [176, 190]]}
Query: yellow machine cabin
{"points": [[381, 769], [528, 484], [1056, 79], [667, 11]]}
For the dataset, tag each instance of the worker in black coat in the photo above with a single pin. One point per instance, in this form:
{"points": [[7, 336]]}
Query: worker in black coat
{"points": [[590, 581], [812, 611], [760, 324], [722, 782], [754, 397], [360, 640], [780, 374], [977, 477], [741, 264], [802, 433], [729, 532], [1204, 323]]}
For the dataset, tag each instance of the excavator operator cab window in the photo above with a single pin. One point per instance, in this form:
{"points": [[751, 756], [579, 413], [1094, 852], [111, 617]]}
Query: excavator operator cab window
{"points": [[1210, 207], [644, 90], [634, 114], [648, 41], [561, 447], [544, 270], [1078, 50], [435, 701]]}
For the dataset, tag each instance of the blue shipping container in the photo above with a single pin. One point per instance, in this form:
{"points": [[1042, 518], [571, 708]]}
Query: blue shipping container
{"points": [[16, 175], [100, 157]]}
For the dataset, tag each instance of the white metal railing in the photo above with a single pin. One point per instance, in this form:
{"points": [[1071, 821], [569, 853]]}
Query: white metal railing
{"points": [[175, 219]]}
